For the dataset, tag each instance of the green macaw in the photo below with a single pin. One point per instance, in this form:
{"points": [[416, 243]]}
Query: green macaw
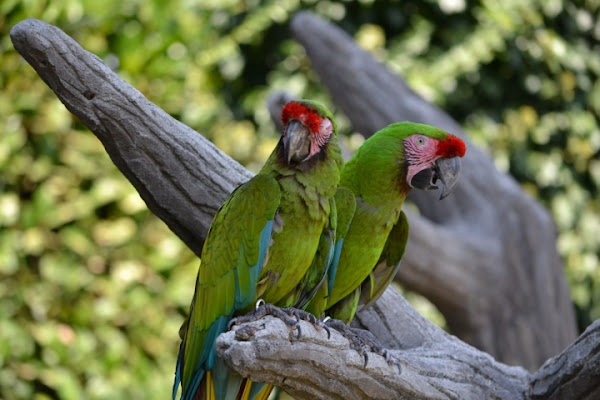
{"points": [[259, 246], [397, 158]]}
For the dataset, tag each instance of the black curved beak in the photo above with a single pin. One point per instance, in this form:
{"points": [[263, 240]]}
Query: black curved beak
{"points": [[445, 169], [448, 171], [296, 141]]}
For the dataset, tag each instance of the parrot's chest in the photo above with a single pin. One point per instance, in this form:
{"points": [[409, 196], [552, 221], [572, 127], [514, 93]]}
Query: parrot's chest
{"points": [[293, 245]]}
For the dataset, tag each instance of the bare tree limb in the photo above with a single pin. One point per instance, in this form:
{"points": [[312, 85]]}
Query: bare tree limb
{"points": [[486, 256], [573, 374], [435, 365], [182, 177]]}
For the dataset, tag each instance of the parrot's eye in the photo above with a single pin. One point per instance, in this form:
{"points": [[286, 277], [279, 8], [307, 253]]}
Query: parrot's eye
{"points": [[421, 141]]}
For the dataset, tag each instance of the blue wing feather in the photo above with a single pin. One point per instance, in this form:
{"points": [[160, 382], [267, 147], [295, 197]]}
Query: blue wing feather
{"points": [[178, 371], [244, 296], [337, 250]]}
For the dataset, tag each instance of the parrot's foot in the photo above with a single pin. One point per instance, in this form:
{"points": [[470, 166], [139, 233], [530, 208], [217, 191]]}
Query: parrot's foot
{"points": [[376, 347], [306, 316], [362, 341], [262, 309], [356, 342], [290, 316]]}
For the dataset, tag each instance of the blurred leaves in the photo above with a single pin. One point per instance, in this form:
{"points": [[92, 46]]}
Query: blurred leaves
{"points": [[93, 287]]}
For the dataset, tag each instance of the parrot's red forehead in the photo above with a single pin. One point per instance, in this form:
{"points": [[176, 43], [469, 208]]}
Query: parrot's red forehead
{"points": [[303, 113], [452, 146]]}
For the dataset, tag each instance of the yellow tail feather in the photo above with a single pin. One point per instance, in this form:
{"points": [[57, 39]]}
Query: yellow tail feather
{"points": [[210, 387], [265, 392], [245, 395]]}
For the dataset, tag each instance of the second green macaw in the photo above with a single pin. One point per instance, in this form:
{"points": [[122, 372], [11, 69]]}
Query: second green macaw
{"points": [[402, 156], [260, 245]]}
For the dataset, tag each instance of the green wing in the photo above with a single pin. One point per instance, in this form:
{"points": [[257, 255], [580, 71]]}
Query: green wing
{"points": [[380, 277], [233, 255], [345, 309], [312, 279], [345, 205], [387, 266]]}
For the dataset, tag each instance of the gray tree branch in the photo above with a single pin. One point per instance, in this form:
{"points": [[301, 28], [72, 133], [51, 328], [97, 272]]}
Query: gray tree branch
{"points": [[486, 255], [182, 177], [435, 365]]}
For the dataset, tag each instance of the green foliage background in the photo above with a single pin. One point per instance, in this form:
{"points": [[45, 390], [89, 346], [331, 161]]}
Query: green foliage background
{"points": [[93, 287]]}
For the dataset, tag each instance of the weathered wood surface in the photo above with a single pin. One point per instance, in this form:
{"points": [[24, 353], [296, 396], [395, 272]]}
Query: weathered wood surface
{"points": [[435, 365], [182, 177]]}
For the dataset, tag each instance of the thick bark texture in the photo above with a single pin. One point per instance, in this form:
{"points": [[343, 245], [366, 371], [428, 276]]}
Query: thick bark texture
{"points": [[182, 177], [485, 256], [435, 365], [500, 283]]}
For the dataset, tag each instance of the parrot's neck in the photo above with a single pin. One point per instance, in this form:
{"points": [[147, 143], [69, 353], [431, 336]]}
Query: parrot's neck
{"points": [[330, 153], [379, 178], [314, 181]]}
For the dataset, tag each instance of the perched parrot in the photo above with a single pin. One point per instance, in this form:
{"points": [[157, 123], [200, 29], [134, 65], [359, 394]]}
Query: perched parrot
{"points": [[259, 246], [397, 158]]}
